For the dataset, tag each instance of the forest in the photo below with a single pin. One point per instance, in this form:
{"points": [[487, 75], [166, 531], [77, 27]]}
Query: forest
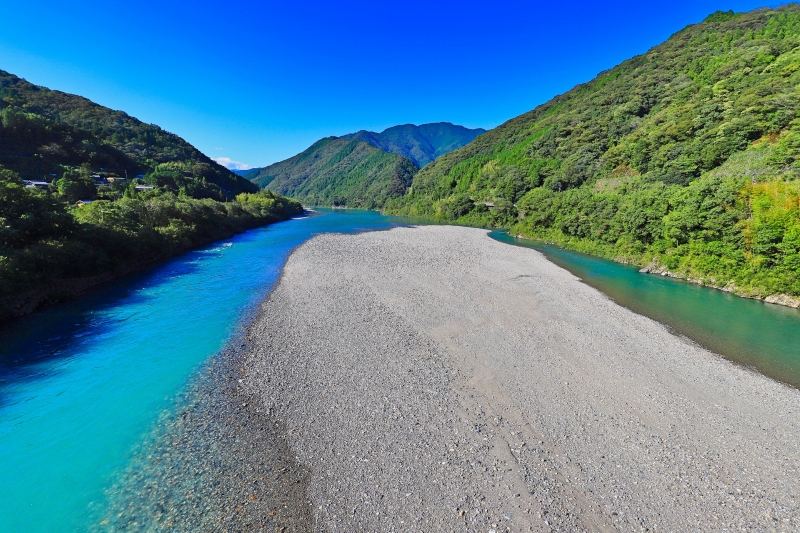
{"points": [[682, 160], [51, 249], [339, 172], [114, 196]]}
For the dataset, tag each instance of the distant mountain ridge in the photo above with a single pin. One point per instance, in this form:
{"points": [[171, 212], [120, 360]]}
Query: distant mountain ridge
{"points": [[339, 171], [421, 144], [362, 169]]}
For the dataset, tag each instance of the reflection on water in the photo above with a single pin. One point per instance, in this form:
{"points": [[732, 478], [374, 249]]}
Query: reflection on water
{"points": [[82, 383], [752, 333]]}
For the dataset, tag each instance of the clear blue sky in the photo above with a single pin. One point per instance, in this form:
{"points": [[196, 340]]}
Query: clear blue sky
{"points": [[257, 82]]}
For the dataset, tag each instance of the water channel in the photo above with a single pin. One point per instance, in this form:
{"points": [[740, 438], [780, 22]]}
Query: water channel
{"points": [[82, 383]]}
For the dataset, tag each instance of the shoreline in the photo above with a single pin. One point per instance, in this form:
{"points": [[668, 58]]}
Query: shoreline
{"points": [[431, 378], [215, 461], [403, 367], [657, 269], [66, 290]]}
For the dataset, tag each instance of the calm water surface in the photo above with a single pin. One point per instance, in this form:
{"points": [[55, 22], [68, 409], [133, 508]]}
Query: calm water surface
{"points": [[83, 383], [753, 333]]}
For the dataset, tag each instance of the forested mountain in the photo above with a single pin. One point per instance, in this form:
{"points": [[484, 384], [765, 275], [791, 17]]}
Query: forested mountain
{"points": [[362, 169], [421, 144], [86, 223], [44, 132], [684, 158], [339, 171]]}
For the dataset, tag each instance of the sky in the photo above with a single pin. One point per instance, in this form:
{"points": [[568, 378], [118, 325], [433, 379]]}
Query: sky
{"points": [[251, 83]]}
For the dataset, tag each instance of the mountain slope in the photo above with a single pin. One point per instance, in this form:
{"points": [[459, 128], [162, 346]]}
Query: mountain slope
{"points": [[243, 172], [338, 171], [421, 144], [684, 159], [362, 169], [44, 132], [90, 225]]}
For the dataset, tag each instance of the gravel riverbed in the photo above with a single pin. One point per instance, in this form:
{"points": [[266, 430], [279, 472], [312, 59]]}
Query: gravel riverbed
{"points": [[214, 462], [432, 379]]}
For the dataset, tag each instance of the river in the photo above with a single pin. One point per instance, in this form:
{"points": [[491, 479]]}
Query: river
{"points": [[83, 383]]}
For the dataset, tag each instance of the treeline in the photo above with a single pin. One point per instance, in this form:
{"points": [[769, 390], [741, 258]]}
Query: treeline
{"points": [[684, 159], [51, 249]]}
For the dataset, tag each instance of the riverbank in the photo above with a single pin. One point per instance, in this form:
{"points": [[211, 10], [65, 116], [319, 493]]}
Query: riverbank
{"points": [[55, 289], [215, 462], [431, 378], [649, 263]]}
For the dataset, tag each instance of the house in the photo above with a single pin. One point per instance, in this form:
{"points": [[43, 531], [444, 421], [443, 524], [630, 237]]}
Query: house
{"points": [[82, 203], [37, 184], [144, 187], [116, 179]]}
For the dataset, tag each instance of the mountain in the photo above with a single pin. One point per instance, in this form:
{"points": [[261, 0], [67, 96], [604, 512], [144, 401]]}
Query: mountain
{"points": [[84, 223], [684, 160], [421, 144], [362, 169], [339, 171], [45, 132]]}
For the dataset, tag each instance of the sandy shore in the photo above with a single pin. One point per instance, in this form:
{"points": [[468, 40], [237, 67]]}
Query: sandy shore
{"points": [[432, 379]]}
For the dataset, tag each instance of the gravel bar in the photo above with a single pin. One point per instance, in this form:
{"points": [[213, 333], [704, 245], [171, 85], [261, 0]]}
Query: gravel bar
{"points": [[214, 462], [433, 379]]}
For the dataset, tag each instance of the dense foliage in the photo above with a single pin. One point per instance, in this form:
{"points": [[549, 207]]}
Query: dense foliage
{"points": [[46, 244], [684, 158], [92, 223], [45, 132], [339, 172], [421, 144], [362, 169]]}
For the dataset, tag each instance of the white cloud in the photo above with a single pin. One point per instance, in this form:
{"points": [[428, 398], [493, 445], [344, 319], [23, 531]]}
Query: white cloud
{"points": [[231, 164]]}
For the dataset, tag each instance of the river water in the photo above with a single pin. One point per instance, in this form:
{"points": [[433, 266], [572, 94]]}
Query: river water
{"points": [[81, 384]]}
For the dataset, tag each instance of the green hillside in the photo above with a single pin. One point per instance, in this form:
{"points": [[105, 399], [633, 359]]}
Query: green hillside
{"points": [[339, 172], [421, 144], [87, 224], [44, 132], [362, 169], [684, 159]]}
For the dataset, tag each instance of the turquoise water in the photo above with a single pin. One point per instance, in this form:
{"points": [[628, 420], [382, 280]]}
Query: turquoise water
{"points": [[83, 383], [753, 333]]}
